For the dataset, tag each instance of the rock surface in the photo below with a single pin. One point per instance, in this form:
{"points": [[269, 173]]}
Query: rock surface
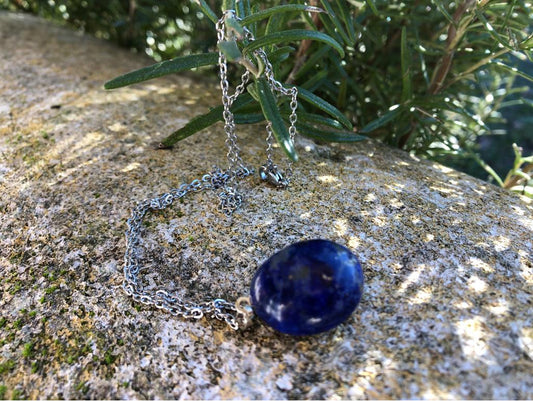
{"points": [[447, 310]]}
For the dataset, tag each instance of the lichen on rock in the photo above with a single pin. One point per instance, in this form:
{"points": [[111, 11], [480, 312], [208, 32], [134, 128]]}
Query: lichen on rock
{"points": [[447, 258]]}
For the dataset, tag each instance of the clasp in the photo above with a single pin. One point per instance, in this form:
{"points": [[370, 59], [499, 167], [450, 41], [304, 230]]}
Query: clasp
{"points": [[271, 174]]}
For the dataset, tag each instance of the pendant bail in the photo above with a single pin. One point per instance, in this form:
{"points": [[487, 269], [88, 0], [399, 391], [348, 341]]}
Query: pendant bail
{"points": [[245, 313]]}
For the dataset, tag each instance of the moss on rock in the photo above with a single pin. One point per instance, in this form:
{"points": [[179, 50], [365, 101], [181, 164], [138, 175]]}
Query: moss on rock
{"points": [[446, 311]]}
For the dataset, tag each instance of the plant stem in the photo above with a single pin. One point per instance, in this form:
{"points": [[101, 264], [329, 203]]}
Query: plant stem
{"points": [[228, 5], [512, 180], [487, 168], [478, 65], [301, 54], [455, 34], [131, 20]]}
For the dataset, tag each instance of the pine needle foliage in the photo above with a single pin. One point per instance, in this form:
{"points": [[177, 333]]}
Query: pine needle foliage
{"points": [[430, 77]]}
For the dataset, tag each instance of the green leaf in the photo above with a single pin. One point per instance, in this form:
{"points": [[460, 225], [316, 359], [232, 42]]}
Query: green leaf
{"points": [[314, 119], [444, 12], [277, 10], [234, 28], [526, 190], [336, 22], [509, 12], [228, 5], [486, 167], [372, 6], [209, 13], [274, 24], [252, 90], [314, 81], [252, 9], [198, 123], [527, 101], [247, 8], [421, 56], [454, 106], [310, 22], [513, 69], [272, 114], [407, 91], [280, 55], [324, 106], [314, 59], [390, 115], [492, 32], [527, 43], [163, 68], [230, 49], [251, 107], [330, 29], [328, 134], [293, 35], [523, 175], [249, 118], [343, 94], [240, 9], [348, 20]]}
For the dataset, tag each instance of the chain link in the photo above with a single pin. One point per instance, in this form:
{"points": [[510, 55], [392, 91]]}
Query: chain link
{"points": [[268, 172], [219, 309], [237, 314], [292, 92], [234, 158]]}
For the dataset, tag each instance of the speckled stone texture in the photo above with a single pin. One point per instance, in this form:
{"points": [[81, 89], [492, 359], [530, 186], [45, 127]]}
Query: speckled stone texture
{"points": [[447, 258]]}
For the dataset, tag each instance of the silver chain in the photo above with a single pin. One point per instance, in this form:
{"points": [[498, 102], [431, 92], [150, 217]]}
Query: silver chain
{"points": [[236, 314], [234, 158], [268, 172]]}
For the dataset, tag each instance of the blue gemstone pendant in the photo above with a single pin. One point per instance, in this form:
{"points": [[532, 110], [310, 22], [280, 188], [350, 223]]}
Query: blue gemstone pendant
{"points": [[308, 287]]}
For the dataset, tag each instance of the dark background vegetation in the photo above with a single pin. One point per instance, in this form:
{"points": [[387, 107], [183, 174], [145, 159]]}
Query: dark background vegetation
{"points": [[374, 79]]}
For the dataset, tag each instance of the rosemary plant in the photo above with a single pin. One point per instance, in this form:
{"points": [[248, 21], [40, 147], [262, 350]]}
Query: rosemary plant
{"points": [[429, 77]]}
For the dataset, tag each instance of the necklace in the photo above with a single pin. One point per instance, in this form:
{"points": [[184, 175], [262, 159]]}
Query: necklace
{"points": [[306, 288]]}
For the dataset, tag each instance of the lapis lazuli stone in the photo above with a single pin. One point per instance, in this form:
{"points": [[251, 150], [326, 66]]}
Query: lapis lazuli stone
{"points": [[308, 287]]}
